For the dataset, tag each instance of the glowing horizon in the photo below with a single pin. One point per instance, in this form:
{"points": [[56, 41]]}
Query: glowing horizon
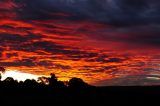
{"points": [[17, 75]]}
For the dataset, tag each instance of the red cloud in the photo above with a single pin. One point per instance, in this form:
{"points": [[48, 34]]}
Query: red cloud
{"points": [[7, 4], [69, 48]]}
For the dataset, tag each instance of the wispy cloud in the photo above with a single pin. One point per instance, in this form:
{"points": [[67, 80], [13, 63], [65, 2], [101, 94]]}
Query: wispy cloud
{"points": [[96, 40]]}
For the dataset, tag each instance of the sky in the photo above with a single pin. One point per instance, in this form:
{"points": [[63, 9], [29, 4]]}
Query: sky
{"points": [[104, 42]]}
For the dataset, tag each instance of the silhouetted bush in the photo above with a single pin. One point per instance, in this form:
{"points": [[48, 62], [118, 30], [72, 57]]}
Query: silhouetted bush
{"points": [[9, 83], [77, 83], [30, 83]]}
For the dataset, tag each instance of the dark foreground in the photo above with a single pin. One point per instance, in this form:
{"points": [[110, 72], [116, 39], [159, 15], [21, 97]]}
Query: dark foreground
{"points": [[51, 92], [89, 96]]}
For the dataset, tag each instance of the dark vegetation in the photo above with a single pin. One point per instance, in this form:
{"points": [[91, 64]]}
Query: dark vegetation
{"points": [[50, 91]]}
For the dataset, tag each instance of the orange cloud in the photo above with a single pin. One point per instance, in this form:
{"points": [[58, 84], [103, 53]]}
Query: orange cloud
{"points": [[67, 48]]}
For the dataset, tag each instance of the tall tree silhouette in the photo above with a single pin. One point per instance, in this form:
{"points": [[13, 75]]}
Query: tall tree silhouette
{"points": [[54, 83], [53, 80]]}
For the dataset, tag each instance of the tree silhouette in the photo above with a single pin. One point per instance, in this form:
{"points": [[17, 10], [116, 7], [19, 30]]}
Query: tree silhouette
{"points": [[43, 80], [9, 82], [52, 80], [9, 79], [77, 83], [54, 83], [30, 83], [56, 92]]}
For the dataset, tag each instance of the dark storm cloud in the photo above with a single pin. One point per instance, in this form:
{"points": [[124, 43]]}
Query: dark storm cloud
{"points": [[118, 12], [127, 19]]}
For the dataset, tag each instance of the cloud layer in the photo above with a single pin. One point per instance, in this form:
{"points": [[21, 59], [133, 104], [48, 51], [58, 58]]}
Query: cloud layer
{"points": [[96, 40]]}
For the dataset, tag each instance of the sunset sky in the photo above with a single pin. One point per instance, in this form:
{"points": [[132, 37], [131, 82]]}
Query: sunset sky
{"points": [[104, 42]]}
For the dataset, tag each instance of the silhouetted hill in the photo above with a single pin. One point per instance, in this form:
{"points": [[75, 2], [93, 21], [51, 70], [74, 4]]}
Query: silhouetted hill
{"points": [[50, 91]]}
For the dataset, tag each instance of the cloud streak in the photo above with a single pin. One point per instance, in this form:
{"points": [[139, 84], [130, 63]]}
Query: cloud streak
{"points": [[96, 40]]}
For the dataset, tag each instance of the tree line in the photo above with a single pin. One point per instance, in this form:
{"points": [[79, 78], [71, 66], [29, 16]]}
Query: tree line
{"points": [[44, 82]]}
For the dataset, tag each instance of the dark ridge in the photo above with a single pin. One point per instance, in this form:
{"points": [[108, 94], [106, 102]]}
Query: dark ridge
{"points": [[50, 91]]}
